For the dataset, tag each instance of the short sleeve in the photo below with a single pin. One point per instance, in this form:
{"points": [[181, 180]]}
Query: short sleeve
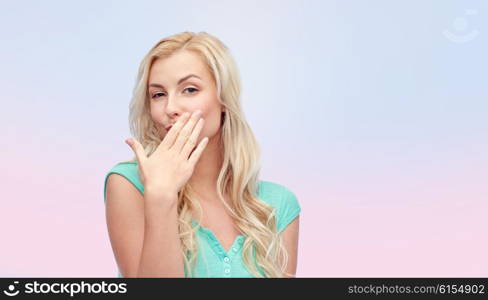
{"points": [[129, 170], [288, 210]]}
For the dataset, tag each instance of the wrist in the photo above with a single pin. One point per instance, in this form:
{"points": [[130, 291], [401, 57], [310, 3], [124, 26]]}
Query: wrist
{"points": [[159, 190], [158, 195]]}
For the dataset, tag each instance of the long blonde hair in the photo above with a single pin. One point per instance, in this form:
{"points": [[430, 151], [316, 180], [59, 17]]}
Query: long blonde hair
{"points": [[263, 252]]}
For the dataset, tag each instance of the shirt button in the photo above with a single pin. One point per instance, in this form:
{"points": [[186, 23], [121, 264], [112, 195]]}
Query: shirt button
{"points": [[235, 249], [226, 270], [226, 259]]}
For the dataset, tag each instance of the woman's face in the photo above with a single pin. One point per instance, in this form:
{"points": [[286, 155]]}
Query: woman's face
{"points": [[182, 83]]}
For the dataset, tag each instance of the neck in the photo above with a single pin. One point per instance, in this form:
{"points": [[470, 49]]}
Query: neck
{"points": [[207, 169]]}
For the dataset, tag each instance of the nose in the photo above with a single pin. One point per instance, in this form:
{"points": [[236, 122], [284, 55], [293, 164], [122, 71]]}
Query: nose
{"points": [[172, 108]]}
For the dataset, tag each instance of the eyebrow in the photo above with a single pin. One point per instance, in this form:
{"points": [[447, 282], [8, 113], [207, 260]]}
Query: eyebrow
{"points": [[157, 85]]}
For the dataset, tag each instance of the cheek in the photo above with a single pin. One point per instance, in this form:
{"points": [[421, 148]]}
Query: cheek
{"points": [[212, 123], [156, 114]]}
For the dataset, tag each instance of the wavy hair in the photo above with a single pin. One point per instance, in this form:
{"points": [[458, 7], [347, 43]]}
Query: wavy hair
{"points": [[263, 252]]}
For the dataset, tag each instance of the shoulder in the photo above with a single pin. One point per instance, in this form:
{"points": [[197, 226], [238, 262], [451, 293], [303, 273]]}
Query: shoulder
{"points": [[282, 199], [128, 170]]}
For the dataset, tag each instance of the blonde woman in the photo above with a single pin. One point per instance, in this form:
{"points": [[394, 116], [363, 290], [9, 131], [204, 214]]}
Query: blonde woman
{"points": [[190, 203]]}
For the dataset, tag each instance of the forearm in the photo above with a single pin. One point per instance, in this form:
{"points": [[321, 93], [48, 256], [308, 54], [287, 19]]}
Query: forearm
{"points": [[161, 251]]}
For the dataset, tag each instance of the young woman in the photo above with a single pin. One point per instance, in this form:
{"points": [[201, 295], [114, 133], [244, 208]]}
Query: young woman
{"points": [[190, 203]]}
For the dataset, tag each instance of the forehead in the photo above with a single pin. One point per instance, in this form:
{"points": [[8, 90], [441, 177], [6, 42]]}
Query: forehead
{"points": [[170, 69]]}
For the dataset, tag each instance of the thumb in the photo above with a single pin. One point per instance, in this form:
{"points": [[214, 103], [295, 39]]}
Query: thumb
{"points": [[137, 148]]}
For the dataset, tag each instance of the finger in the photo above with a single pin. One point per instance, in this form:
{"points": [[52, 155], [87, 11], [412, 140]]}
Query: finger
{"points": [[172, 134], [138, 150], [195, 156], [185, 132], [192, 140]]}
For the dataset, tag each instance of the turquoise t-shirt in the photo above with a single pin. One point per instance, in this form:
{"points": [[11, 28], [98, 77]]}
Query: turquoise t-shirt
{"points": [[212, 259]]}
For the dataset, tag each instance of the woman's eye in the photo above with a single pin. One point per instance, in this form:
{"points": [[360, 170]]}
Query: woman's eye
{"points": [[191, 88], [155, 95]]}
